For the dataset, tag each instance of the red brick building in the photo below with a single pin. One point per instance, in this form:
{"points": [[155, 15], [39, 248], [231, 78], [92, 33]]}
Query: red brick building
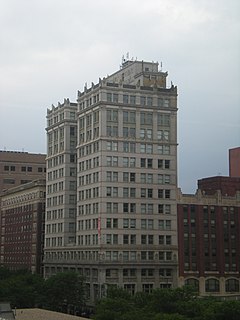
{"points": [[22, 226], [209, 236], [227, 185], [234, 162]]}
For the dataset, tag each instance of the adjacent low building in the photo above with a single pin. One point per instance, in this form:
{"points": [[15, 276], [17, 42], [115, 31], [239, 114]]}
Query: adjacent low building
{"points": [[209, 236], [18, 168], [22, 226]]}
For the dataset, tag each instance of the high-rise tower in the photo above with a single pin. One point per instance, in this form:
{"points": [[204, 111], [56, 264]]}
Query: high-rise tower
{"points": [[126, 157]]}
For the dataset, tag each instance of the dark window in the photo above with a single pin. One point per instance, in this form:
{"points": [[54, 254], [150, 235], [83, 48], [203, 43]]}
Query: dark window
{"points": [[8, 181], [40, 169], [72, 157], [212, 285], [143, 162], [29, 169], [72, 131], [6, 168], [24, 169], [12, 168]]}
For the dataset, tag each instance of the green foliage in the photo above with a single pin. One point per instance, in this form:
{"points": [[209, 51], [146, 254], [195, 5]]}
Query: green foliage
{"points": [[229, 310], [64, 289], [22, 289], [164, 304], [26, 290]]}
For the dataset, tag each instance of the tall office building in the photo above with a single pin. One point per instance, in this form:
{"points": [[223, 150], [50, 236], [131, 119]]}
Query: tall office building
{"points": [[125, 228], [61, 176]]}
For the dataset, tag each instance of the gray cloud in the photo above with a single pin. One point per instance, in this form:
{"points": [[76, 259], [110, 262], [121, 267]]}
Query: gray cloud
{"points": [[49, 49]]}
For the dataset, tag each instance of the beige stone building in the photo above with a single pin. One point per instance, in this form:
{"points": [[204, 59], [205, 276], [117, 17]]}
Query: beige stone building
{"points": [[111, 198], [17, 168]]}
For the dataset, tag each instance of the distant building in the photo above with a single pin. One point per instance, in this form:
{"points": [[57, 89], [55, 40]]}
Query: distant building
{"points": [[227, 185], [234, 162], [209, 236], [115, 222], [17, 168], [22, 226]]}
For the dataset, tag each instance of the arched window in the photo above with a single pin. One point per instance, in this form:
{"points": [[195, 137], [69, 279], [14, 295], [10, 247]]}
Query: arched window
{"points": [[232, 285], [193, 283], [212, 285]]}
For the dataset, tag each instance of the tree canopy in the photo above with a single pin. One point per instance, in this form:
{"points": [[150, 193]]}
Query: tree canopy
{"points": [[164, 304]]}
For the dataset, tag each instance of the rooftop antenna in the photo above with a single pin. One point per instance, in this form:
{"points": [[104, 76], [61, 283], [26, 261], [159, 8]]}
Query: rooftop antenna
{"points": [[127, 56], [161, 65]]}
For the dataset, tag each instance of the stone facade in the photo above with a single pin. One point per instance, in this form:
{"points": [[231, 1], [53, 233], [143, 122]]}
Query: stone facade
{"points": [[124, 230]]}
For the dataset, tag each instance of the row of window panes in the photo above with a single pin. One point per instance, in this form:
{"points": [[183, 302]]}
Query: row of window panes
{"points": [[88, 149], [112, 161], [89, 101], [55, 161], [144, 148], [128, 132], [58, 200], [144, 224], [145, 272], [126, 193], [113, 207], [133, 100], [24, 169], [144, 255]]}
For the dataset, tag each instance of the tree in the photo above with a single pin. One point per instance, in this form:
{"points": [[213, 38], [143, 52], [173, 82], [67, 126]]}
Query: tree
{"points": [[23, 289], [64, 290]]}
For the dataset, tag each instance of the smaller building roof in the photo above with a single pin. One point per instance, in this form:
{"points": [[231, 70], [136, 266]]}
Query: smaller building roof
{"points": [[41, 314]]}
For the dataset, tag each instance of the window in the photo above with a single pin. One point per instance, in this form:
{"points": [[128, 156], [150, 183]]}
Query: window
{"points": [[112, 146], [212, 285], [146, 162], [112, 191], [163, 164], [146, 118], [164, 193], [112, 115], [163, 103], [164, 224], [129, 147], [163, 135], [112, 161], [112, 131], [193, 283], [125, 98], [163, 149], [163, 119], [232, 285], [132, 99], [12, 181], [143, 101]]}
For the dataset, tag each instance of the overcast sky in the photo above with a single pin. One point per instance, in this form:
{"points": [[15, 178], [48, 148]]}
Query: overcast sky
{"points": [[50, 48]]}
